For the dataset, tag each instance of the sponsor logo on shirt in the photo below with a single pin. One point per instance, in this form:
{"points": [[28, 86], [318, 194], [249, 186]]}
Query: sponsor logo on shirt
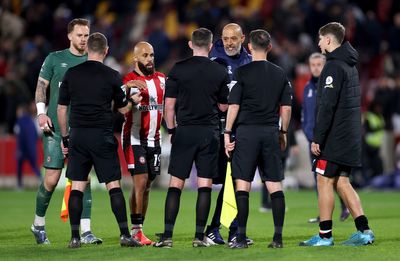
{"points": [[151, 107], [231, 84], [63, 65]]}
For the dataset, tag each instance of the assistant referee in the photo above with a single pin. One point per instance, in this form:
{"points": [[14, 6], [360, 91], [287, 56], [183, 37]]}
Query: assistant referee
{"points": [[261, 92], [89, 88]]}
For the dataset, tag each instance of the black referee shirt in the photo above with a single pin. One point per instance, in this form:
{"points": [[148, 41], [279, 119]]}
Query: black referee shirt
{"points": [[89, 89], [198, 84], [260, 90]]}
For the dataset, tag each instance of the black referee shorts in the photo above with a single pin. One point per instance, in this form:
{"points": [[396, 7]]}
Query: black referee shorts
{"points": [[222, 163], [199, 144], [257, 145], [93, 147]]}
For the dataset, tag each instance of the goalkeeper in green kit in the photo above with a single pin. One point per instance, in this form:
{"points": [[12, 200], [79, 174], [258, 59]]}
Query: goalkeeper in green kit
{"points": [[51, 74]]}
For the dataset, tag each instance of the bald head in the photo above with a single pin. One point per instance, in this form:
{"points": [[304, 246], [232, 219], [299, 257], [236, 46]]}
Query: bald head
{"points": [[232, 38], [232, 27], [142, 47], [143, 55]]}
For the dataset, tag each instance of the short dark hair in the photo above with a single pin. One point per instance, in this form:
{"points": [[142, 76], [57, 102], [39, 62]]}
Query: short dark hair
{"points": [[202, 37], [97, 43], [336, 29], [77, 21], [260, 39]]}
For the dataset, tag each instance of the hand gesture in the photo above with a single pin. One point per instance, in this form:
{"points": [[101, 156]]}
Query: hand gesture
{"points": [[141, 85]]}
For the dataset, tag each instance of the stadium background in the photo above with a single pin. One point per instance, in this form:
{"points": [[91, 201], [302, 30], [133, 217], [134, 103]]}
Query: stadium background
{"points": [[30, 29]]}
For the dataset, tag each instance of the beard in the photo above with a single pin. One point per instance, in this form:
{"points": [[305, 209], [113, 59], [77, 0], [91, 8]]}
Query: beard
{"points": [[233, 52], [79, 48], [146, 70]]}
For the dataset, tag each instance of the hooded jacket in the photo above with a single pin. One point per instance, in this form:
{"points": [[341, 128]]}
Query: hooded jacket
{"points": [[231, 63], [338, 121]]}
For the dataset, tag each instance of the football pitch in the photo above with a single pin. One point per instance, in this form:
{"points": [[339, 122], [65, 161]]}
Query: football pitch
{"points": [[17, 242]]}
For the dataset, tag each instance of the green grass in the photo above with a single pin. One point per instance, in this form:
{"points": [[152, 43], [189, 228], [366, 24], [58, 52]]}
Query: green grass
{"points": [[17, 242]]}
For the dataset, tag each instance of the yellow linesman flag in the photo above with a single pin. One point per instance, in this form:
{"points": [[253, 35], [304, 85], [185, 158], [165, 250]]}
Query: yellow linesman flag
{"points": [[64, 208], [229, 208]]}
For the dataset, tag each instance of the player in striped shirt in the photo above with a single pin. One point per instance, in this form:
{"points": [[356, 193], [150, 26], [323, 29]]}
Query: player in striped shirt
{"points": [[141, 134]]}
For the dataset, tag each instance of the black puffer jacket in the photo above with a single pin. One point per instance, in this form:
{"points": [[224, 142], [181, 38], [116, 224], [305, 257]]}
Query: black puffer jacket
{"points": [[338, 121]]}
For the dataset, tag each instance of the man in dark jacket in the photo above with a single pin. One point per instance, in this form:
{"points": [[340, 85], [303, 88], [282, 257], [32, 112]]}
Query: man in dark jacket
{"points": [[316, 62], [337, 136], [229, 52]]}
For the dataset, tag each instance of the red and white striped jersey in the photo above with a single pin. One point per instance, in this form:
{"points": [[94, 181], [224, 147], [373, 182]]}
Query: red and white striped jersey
{"points": [[142, 123]]}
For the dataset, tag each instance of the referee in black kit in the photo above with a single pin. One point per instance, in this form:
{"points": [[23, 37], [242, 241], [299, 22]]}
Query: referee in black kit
{"points": [[89, 88], [261, 94], [197, 86]]}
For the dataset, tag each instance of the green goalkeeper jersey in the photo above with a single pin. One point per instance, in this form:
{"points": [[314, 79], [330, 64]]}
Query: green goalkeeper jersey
{"points": [[53, 69]]}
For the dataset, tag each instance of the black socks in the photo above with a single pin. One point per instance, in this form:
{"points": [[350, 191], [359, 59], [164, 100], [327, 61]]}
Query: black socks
{"points": [[202, 210], [242, 201], [278, 212], [119, 209], [75, 211], [171, 210]]}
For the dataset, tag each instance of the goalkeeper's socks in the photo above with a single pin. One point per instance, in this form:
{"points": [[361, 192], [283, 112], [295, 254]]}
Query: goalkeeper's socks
{"points": [[87, 203], [325, 229], [43, 198]]}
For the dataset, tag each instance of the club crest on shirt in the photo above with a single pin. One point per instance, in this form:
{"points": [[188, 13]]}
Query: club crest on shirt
{"points": [[142, 160], [229, 69], [328, 82]]}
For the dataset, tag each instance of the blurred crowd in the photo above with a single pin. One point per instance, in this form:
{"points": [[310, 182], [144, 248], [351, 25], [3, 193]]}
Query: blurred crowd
{"points": [[30, 29]]}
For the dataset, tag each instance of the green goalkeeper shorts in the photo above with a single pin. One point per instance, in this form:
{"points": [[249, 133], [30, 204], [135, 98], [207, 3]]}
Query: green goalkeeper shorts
{"points": [[53, 157]]}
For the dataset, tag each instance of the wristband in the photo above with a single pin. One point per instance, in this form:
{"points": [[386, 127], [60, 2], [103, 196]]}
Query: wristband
{"points": [[171, 131], [282, 131], [227, 131], [40, 108]]}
